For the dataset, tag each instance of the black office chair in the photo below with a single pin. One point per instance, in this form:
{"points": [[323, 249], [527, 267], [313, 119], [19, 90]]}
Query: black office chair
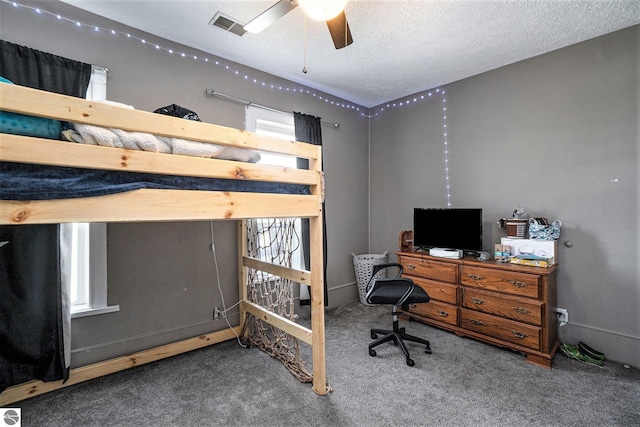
{"points": [[399, 292]]}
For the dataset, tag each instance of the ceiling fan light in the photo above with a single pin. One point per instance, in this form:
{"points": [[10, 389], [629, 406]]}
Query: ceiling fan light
{"points": [[322, 10]]}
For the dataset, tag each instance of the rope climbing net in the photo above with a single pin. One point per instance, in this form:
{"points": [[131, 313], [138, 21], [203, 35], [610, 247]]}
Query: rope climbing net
{"points": [[277, 241]]}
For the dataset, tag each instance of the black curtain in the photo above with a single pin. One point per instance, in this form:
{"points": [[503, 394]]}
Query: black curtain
{"points": [[309, 129], [31, 335], [31, 331], [40, 70]]}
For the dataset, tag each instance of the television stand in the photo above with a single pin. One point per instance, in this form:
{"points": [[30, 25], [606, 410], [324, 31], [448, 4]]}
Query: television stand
{"points": [[507, 305]]}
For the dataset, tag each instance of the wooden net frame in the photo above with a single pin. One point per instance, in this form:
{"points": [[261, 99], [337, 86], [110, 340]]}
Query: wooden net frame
{"points": [[171, 205]]}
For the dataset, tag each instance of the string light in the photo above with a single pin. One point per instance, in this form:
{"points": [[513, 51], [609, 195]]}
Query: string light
{"points": [[113, 32], [398, 104], [445, 134], [445, 142], [298, 90]]}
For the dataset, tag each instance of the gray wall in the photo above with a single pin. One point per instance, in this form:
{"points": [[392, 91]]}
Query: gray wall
{"points": [[549, 134], [162, 274]]}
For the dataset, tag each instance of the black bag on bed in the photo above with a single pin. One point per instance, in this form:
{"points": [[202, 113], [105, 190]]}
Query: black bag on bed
{"points": [[178, 111]]}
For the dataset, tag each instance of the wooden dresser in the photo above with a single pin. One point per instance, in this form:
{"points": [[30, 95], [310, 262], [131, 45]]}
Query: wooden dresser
{"points": [[504, 304]]}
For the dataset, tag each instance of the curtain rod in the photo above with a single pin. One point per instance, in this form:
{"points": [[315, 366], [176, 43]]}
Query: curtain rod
{"points": [[211, 92]]}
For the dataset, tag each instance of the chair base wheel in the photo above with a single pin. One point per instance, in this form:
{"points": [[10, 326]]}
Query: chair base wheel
{"points": [[396, 336]]}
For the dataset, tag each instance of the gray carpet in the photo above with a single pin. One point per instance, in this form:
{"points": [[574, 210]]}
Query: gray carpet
{"points": [[463, 383]]}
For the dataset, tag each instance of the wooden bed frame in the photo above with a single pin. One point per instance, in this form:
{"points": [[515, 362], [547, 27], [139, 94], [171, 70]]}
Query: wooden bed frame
{"points": [[169, 205]]}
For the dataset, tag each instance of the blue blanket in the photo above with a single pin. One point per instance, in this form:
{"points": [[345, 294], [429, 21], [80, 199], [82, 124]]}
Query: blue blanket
{"points": [[19, 124], [35, 182]]}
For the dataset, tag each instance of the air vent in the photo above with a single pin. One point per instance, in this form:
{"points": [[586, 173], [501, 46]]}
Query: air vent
{"points": [[227, 24]]}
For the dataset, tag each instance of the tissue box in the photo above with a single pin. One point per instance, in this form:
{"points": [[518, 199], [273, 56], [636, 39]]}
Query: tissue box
{"points": [[543, 248]]}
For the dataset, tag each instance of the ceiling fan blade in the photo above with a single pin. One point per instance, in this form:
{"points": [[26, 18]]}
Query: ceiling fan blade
{"points": [[339, 29], [271, 15]]}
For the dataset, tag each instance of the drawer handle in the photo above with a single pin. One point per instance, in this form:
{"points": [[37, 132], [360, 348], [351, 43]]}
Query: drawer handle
{"points": [[518, 284], [520, 335], [475, 322], [411, 266], [443, 313], [413, 305], [476, 300], [521, 310], [475, 276]]}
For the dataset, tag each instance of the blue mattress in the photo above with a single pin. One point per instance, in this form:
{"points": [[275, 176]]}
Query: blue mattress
{"points": [[36, 182]]}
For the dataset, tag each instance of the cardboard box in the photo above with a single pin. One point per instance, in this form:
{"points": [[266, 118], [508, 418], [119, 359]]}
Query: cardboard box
{"points": [[502, 253], [543, 248]]}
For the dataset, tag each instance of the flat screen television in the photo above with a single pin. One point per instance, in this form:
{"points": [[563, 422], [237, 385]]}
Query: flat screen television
{"points": [[452, 228]]}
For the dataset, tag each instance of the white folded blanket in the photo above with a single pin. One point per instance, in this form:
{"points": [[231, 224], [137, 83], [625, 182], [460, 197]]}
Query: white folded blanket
{"points": [[118, 138]]}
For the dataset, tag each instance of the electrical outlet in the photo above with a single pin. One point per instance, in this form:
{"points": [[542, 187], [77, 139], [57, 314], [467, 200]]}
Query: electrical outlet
{"points": [[563, 316], [219, 314]]}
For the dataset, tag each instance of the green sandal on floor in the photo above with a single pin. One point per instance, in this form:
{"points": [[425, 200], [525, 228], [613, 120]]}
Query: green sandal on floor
{"points": [[588, 351], [573, 352]]}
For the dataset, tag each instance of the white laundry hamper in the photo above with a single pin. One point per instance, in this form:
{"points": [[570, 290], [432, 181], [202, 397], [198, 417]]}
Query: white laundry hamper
{"points": [[363, 266]]}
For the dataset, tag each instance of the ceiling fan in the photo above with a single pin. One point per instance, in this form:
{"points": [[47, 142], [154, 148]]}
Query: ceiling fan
{"points": [[314, 9]]}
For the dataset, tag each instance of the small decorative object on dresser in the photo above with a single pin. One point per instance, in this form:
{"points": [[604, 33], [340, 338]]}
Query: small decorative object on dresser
{"points": [[504, 304], [405, 241]]}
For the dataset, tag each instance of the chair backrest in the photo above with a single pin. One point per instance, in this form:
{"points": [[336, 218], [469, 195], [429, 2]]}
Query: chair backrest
{"points": [[377, 268]]}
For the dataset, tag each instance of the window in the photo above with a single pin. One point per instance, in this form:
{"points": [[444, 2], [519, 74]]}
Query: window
{"points": [[79, 273], [272, 123], [279, 125], [83, 246], [83, 249]]}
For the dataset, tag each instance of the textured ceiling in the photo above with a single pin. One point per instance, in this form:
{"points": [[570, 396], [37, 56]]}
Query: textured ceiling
{"points": [[400, 47]]}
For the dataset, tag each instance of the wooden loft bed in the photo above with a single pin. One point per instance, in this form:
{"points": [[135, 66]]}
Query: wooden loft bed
{"points": [[169, 205]]}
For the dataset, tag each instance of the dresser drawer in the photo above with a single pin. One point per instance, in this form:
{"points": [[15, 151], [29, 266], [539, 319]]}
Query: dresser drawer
{"points": [[513, 282], [521, 309], [439, 291], [444, 272], [436, 310], [504, 329]]}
